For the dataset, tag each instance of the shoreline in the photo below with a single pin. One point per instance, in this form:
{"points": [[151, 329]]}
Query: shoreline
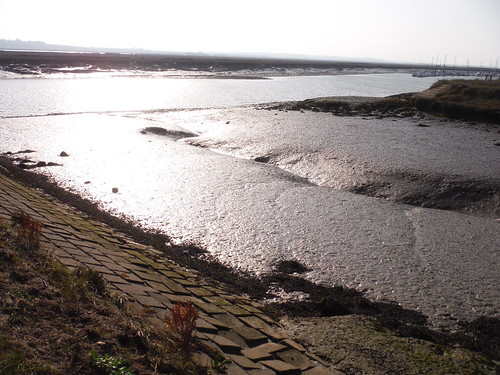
{"points": [[34, 62], [37, 62], [376, 182], [341, 344], [323, 302]]}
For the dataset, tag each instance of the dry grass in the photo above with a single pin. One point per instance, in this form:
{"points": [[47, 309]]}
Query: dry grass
{"points": [[482, 93], [465, 99], [52, 318]]}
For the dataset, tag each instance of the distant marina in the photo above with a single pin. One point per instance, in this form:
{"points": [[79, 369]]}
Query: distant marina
{"points": [[475, 73], [442, 70]]}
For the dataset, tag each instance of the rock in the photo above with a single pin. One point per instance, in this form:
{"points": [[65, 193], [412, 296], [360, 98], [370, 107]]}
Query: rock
{"points": [[41, 164], [87, 182], [25, 163], [155, 130], [172, 133], [63, 154], [114, 190], [228, 122], [262, 159], [290, 267], [52, 164], [330, 307]]}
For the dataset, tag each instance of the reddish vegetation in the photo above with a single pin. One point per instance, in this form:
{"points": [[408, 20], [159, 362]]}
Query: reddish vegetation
{"points": [[182, 322]]}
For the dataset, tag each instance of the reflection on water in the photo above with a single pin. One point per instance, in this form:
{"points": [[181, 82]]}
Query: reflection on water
{"points": [[75, 95], [251, 215]]}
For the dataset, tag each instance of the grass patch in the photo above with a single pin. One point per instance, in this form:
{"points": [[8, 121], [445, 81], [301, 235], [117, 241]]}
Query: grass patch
{"points": [[484, 94], [13, 362], [56, 320], [361, 345], [77, 284], [465, 99], [475, 100]]}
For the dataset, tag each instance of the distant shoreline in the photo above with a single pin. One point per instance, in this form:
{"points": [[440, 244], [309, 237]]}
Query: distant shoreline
{"points": [[46, 62]]}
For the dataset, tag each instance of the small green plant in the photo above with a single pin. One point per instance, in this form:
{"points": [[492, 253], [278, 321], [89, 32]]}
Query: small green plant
{"points": [[219, 364], [108, 365], [181, 322], [28, 232]]}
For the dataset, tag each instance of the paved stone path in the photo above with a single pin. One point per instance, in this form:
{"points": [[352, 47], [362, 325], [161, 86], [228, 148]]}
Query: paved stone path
{"points": [[252, 341]]}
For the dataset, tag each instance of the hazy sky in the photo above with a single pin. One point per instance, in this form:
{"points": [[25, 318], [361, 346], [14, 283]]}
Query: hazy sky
{"points": [[395, 30]]}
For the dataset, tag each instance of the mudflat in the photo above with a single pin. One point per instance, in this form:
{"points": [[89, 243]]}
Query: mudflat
{"points": [[29, 62], [412, 160]]}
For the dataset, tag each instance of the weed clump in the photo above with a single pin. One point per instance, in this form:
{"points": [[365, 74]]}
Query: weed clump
{"points": [[77, 284], [181, 323], [28, 233]]}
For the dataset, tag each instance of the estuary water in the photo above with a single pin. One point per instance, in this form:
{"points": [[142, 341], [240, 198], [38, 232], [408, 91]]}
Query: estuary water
{"points": [[98, 92], [199, 182]]}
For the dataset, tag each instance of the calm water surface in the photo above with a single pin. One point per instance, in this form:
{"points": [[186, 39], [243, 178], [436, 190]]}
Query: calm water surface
{"points": [[39, 96]]}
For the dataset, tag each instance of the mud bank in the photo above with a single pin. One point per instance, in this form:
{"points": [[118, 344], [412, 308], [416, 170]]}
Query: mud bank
{"points": [[338, 312], [265, 186], [397, 154]]}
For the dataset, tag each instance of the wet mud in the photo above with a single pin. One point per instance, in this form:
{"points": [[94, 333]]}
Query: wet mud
{"points": [[482, 334]]}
